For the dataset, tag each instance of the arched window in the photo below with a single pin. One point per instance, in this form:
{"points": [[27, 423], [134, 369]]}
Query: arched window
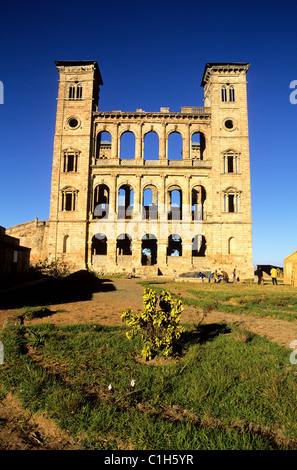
{"points": [[198, 202], [99, 244], [125, 202], [151, 146], [199, 245], [231, 93], [101, 201], [197, 146], [103, 146], [231, 246], [79, 92], [174, 203], [150, 202], [228, 93], [224, 93], [148, 250], [127, 150], [72, 92], [174, 247], [175, 146], [124, 244], [65, 243]]}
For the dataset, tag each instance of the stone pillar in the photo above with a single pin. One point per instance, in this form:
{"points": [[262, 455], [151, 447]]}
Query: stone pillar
{"points": [[186, 144], [162, 144], [115, 145], [138, 144]]}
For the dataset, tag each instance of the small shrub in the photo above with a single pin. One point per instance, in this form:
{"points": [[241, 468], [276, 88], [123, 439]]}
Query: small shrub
{"points": [[158, 328], [57, 268]]}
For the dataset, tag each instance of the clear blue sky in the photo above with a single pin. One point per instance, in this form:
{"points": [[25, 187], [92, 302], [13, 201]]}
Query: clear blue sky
{"points": [[151, 54]]}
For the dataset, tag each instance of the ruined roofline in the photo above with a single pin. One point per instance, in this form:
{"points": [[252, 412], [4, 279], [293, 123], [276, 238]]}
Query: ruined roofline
{"points": [[222, 66], [185, 111], [78, 63]]}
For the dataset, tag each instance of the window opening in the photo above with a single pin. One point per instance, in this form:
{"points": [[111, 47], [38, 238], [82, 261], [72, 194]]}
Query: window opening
{"points": [[198, 203], [148, 250], [127, 149], [72, 92], [174, 247], [125, 202], [175, 146], [231, 93], [99, 244], [199, 246], [101, 201], [175, 204], [198, 146], [151, 146], [69, 200], [103, 146], [124, 244], [79, 92], [150, 203]]}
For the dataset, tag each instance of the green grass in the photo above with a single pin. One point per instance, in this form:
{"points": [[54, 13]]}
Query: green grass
{"points": [[264, 301], [225, 388]]}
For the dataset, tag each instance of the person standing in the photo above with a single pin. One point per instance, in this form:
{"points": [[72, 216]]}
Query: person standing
{"points": [[234, 275], [259, 273], [273, 274]]}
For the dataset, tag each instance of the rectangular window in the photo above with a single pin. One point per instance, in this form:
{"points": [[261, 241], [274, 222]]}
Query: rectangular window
{"points": [[70, 162], [68, 201], [230, 164], [231, 203], [79, 92]]}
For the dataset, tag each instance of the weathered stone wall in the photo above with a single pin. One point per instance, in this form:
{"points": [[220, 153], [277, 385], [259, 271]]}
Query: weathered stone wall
{"points": [[211, 173], [34, 235], [290, 269]]}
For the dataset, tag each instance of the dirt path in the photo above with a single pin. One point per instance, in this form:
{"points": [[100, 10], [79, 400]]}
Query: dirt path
{"points": [[19, 431], [107, 307]]}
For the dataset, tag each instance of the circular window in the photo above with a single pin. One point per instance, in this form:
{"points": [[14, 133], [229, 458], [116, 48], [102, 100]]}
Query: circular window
{"points": [[229, 124], [73, 122]]}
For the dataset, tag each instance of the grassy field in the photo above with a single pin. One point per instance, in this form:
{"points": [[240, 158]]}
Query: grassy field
{"points": [[224, 389], [264, 301]]}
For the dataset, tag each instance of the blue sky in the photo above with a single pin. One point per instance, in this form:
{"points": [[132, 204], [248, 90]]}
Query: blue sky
{"points": [[151, 54]]}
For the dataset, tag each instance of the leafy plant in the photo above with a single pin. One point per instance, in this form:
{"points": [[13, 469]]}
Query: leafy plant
{"points": [[57, 268], [158, 328]]}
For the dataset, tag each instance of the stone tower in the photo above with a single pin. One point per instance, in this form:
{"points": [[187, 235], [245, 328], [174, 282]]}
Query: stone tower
{"points": [[181, 210], [77, 99]]}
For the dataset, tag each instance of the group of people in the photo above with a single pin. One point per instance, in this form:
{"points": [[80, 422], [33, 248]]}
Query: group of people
{"points": [[218, 277], [273, 274]]}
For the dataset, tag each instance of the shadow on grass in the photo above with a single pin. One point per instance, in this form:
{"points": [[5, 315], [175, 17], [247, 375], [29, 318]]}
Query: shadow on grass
{"points": [[201, 335], [77, 286]]}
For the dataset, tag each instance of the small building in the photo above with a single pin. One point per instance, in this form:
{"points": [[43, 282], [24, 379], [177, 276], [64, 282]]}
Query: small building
{"points": [[14, 258], [290, 269]]}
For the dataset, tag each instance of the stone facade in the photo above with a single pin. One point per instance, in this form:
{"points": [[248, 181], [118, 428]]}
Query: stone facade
{"points": [[14, 258], [184, 207], [33, 235], [290, 269]]}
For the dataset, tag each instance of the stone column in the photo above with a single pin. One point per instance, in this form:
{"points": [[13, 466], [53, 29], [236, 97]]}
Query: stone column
{"points": [[162, 144], [115, 145], [138, 143]]}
